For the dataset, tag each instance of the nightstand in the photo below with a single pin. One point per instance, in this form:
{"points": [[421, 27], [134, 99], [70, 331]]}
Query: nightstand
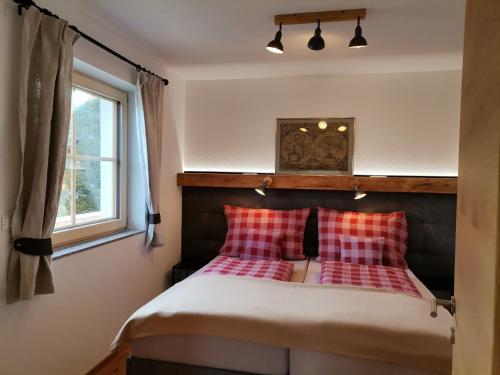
{"points": [[184, 269]]}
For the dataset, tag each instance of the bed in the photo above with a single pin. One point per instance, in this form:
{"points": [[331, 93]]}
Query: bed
{"points": [[217, 348], [430, 253]]}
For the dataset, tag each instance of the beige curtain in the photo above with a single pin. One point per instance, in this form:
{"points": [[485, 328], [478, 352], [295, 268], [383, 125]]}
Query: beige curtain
{"points": [[149, 116], [44, 112]]}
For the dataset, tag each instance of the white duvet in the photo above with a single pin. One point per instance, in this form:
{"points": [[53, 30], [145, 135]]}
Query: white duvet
{"points": [[360, 323]]}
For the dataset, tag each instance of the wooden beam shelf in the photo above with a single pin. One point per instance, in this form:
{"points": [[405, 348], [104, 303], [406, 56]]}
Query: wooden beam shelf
{"points": [[436, 185], [313, 17]]}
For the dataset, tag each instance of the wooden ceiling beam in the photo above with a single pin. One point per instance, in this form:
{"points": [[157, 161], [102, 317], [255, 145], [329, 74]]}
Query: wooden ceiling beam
{"points": [[313, 17]]}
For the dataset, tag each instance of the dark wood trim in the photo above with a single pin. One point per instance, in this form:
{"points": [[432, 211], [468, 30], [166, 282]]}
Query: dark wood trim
{"points": [[313, 17], [439, 185], [141, 366]]}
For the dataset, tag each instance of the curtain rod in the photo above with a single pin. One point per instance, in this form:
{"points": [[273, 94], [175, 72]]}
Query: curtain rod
{"points": [[28, 3]]}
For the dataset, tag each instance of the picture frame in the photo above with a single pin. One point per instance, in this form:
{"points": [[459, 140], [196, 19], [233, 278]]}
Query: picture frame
{"points": [[314, 146]]}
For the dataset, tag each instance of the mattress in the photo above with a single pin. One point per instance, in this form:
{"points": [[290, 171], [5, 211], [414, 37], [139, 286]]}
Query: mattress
{"points": [[220, 352]]}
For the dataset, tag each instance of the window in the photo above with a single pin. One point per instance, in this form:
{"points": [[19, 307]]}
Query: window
{"points": [[92, 199]]}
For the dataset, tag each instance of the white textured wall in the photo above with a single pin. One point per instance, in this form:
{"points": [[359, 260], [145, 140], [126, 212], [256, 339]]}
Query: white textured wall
{"points": [[70, 331], [406, 123]]}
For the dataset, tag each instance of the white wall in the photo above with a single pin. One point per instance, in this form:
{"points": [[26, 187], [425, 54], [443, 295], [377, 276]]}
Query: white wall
{"points": [[406, 123], [70, 331]]}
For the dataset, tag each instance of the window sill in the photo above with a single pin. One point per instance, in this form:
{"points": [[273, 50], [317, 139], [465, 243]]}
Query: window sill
{"points": [[65, 251]]}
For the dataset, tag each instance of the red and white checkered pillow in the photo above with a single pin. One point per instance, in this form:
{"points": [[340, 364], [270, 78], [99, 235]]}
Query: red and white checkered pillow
{"points": [[368, 276], [259, 269], [391, 226], [361, 250], [289, 223], [257, 244]]}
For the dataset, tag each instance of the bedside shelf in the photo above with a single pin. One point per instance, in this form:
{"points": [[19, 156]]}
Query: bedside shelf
{"points": [[436, 185]]}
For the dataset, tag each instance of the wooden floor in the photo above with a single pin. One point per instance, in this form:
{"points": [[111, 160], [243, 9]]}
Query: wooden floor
{"points": [[113, 364]]}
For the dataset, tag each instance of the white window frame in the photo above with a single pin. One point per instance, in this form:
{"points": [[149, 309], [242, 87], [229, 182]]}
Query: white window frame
{"points": [[65, 236]]}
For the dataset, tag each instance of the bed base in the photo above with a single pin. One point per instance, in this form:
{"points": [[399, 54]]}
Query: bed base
{"points": [[141, 366]]}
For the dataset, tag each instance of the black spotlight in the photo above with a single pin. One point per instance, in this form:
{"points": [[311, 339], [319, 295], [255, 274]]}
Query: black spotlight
{"points": [[316, 43], [275, 45], [358, 41]]}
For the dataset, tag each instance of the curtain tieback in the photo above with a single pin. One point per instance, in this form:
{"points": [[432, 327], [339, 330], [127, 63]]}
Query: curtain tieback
{"points": [[154, 218], [34, 246]]}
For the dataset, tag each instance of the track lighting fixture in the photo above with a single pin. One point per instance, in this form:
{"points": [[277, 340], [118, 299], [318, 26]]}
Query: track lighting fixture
{"points": [[316, 43], [358, 194], [275, 45], [262, 188], [358, 41]]}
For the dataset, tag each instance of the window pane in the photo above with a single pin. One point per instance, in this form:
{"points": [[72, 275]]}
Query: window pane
{"points": [[64, 209], [95, 191], [94, 122], [90, 202]]}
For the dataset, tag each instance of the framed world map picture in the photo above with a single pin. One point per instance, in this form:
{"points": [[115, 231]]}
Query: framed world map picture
{"points": [[315, 146]]}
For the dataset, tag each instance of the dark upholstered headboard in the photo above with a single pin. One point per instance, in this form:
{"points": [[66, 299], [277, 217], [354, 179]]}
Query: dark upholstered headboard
{"points": [[431, 223]]}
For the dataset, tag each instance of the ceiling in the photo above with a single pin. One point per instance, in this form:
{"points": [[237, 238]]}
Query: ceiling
{"points": [[209, 39]]}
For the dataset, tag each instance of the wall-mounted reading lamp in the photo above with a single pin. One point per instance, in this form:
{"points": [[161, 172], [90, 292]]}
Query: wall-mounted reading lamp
{"points": [[358, 194], [265, 184]]}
